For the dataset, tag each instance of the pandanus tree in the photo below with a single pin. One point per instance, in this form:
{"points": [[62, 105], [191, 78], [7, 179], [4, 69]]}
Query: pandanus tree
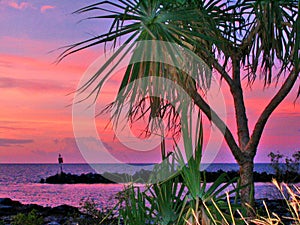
{"points": [[241, 39]]}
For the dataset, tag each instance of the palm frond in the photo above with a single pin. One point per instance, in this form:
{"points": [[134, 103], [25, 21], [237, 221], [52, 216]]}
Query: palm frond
{"points": [[269, 37]]}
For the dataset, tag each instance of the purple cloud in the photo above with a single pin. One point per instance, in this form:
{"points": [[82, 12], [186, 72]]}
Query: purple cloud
{"points": [[32, 85], [6, 142]]}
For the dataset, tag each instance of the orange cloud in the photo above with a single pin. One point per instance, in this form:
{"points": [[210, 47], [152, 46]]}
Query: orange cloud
{"points": [[44, 8]]}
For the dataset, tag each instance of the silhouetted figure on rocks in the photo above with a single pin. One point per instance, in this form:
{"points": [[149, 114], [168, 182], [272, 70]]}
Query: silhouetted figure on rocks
{"points": [[60, 162]]}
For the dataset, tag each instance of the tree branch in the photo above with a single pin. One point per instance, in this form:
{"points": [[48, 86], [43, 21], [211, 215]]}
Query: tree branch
{"points": [[212, 116], [239, 105], [276, 100], [209, 60]]}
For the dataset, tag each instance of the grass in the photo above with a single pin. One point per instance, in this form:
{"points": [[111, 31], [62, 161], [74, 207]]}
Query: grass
{"points": [[291, 197]]}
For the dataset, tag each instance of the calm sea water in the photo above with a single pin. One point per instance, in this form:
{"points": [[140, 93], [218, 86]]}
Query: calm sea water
{"points": [[21, 182]]}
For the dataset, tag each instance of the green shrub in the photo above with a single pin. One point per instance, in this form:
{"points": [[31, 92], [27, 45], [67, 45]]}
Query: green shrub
{"points": [[93, 216], [30, 219], [286, 168]]}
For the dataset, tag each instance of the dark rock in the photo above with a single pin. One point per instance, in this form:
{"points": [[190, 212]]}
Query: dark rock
{"points": [[64, 178], [63, 210], [9, 207], [62, 214], [9, 202]]}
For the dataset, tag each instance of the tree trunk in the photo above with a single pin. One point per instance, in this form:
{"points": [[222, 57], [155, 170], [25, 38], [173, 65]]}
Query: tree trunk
{"points": [[246, 165], [247, 182]]}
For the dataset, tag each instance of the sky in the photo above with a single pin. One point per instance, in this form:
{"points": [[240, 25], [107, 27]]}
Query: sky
{"points": [[36, 94]]}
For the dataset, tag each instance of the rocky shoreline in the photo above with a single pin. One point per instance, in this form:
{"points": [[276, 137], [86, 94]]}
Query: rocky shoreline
{"points": [[59, 215], [56, 215]]}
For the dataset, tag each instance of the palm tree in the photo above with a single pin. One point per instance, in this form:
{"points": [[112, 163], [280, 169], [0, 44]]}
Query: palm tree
{"points": [[230, 36]]}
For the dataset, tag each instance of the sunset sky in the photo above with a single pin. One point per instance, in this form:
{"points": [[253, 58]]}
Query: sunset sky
{"points": [[35, 93]]}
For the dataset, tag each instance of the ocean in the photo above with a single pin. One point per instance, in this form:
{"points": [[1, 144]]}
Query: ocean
{"points": [[21, 182]]}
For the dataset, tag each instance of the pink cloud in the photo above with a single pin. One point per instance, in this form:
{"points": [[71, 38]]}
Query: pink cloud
{"points": [[20, 6], [44, 8]]}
